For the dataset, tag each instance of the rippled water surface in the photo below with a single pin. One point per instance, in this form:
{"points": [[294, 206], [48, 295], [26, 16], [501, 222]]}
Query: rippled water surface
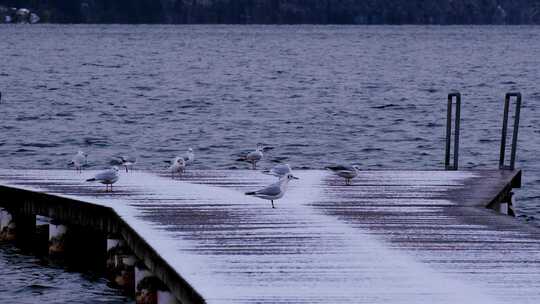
{"points": [[26, 279], [319, 94]]}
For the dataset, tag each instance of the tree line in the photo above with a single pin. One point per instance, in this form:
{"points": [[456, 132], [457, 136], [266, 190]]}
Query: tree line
{"points": [[285, 11]]}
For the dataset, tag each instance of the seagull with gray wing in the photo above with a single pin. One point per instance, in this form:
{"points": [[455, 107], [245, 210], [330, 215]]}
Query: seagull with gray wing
{"points": [[348, 172], [275, 191], [255, 156], [279, 170], [107, 177], [189, 157], [127, 162], [79, 161]]}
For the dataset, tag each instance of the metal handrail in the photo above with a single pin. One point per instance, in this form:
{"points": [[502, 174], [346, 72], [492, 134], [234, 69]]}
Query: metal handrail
{"points": [[502, 166], [447, 164]]}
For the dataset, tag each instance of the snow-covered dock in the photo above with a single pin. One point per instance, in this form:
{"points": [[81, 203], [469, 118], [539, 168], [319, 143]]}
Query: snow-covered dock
{"points": [[391, 237]]}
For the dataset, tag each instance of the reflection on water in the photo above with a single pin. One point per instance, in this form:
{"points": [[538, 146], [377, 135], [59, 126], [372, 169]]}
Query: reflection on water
{"points": [[27, 279]]}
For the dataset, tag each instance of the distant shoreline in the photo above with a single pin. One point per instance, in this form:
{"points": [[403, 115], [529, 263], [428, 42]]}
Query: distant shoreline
{"points": [[285, 24], [376, 12]]}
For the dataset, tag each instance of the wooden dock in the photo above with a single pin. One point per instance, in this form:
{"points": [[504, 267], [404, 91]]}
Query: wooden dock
{"points": [[391, 237]]}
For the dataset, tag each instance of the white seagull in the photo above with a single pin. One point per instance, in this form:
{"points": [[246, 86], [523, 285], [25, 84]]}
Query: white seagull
{"points": [[279, 170], [107, 177], [79, 160], [347, 172], [274, 191], [178, 165], [255, 156], [128, 162], [189, 156]]}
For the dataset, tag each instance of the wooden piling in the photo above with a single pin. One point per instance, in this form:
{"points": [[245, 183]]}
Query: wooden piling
{"points": [[41, 237], [57, 239], [145, 285], [7, 226]]}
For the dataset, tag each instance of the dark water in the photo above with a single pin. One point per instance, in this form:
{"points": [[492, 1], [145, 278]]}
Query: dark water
{"points": [[26, 279], [319, 94]]}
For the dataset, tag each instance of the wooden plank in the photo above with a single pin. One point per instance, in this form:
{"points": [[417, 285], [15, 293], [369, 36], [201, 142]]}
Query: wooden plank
{"points": [[392, 237]]}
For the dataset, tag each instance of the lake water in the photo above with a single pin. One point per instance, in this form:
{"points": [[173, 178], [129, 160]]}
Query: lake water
{"points": [[28, 280], [374, 95]]}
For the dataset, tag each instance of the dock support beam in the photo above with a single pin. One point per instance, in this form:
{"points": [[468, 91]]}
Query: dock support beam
{"points": [[447, 164], [25, 230], [504, 205], [18, 228], [7, 226], [57, 242], [145, 292], [120, 264], [126, 277], [149, 289], [41, 236]]}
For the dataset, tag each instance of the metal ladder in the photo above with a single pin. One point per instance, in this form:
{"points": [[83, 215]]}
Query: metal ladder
{"points": [[457, 97]]}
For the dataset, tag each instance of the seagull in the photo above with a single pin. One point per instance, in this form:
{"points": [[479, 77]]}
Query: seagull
{"points": [[189, 156], [347, 172], [107, 177], [255, 156], [279, 170], [78, 161], [127, 162], [178, 165], [274, 191]]}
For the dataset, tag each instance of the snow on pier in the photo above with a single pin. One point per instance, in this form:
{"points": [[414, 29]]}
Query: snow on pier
{"points": [[391, 237]]}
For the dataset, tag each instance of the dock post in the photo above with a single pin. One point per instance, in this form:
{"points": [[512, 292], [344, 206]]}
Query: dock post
{"points": [[17, 227], [7, 226], [25, 230], [126, 280], [447, 164], [505, 205], [115, 247], [57, 234], [41, 237], [145, 285], [511, 204], [3, 219], [149, 289], [114, 243], [502, 165], [120, 267], [503, 208]]}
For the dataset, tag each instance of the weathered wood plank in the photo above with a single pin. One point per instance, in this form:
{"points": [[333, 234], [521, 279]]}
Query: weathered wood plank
{"points": [[391, 237]]}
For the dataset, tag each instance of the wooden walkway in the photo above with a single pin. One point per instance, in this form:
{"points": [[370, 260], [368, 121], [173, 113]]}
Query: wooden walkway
{"points": [[391, 237]]}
